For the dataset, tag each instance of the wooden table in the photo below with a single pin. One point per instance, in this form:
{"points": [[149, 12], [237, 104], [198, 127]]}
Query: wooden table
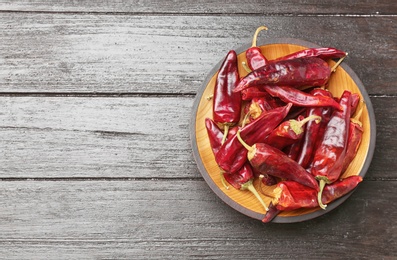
{"points": [[96, 159]]}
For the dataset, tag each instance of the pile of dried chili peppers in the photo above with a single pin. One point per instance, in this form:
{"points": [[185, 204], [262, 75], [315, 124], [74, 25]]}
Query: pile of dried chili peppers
{"points": [[279, 125]]}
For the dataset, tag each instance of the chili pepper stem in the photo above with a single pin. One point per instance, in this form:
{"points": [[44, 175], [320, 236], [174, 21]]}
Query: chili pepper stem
{"points": [[297, 126], [320, 193], [254, 39], [267, 194], [223, 180], [246, 146], [225, 132], [210, 97], [333, 69], [245, 66], [249, 186]]}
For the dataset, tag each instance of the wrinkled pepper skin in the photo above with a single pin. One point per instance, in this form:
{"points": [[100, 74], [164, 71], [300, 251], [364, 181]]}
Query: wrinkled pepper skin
{"points": [[314, 131], [232, 155], [329, 156], [300, 98], [298, 72], [294, 195], [241, 177], [354, 140], [215, 135], [269, 160], [226, 103], [323, 53]]}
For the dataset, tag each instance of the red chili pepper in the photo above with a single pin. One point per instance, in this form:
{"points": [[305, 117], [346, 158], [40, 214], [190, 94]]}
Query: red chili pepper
{"points": [[291, 195], [232, 155], [288, 132], [269, 160], [243, 180], [226, 103], [313, 131], [355, 101], [300, 98], [328, 158], [354, 139], [255, 58], [298, 72], [323, 53]]}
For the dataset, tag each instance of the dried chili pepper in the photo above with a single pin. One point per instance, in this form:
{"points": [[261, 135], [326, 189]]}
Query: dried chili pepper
{"points": [[354, 139], [226, 103], [255, 58], [243, 180], [272, 161], [300, 98], [291, 195], [323, 53], [329, 155], [232, 155], [215, 135], [298, 72], [314, 131], [288, 132]]}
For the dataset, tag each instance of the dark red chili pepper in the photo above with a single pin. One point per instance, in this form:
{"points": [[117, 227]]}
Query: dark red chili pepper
{"points": [[313, 131], [323, 53], [288, 132], [232, 155], [243, 180], [291, 195], [293, 150], [272, 161], [329, 155], [298, 72], [300, 98], [354, 139], [226, 103], [215, 135], [255, 58]]}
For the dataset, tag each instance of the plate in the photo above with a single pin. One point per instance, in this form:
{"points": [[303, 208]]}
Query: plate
{"points": [[244, 201]]}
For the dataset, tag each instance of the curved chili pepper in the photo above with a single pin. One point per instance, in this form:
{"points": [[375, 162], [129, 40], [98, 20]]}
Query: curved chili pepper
{"points": [[328, 158], [243, 180], [300, 98], [288, 132], [354, 139], [323, 53], [311, 71], [313, 131], [255, 58], [226, 103], [215, 135], [232, 155], [291, 195], [272, 161]]}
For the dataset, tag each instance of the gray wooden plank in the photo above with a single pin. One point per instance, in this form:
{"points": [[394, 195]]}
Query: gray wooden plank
{"points": [[132, 137], [102, 53], [96, 137], [162, 219], [207, 7]]}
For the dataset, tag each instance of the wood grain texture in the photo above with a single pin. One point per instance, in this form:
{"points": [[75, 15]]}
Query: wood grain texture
{"points": [[101, 53], [206, 7], [161, 220]]}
